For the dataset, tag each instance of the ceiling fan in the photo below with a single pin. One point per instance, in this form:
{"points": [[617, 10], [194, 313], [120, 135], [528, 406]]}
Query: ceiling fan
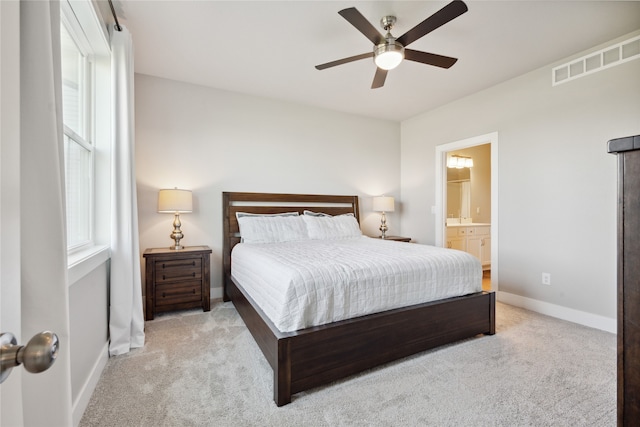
{"points": [[389, 51]]}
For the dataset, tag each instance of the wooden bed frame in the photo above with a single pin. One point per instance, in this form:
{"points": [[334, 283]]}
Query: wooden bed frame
{"points": [[319, 355]]}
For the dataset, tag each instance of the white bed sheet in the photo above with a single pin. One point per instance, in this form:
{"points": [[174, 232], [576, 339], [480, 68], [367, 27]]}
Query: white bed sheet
{"points": [[314, 282]]}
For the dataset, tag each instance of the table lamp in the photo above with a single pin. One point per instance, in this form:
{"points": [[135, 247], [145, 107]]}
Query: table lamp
{"points": [[383, 204], [175, 201]]}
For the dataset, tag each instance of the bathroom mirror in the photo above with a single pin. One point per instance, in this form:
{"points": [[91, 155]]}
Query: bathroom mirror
{"points": [[458, 193]]}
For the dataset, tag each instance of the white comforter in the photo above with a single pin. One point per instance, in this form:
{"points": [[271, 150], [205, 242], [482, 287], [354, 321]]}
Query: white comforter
{"points": [[314, 282]]}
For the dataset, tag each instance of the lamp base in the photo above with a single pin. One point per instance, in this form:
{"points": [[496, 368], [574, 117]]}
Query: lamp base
{"points": [[176, 234], [383, 226]]}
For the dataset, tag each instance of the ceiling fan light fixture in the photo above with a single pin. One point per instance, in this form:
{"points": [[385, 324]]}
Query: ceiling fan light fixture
{"points": [[388, 52], [388, 55]]}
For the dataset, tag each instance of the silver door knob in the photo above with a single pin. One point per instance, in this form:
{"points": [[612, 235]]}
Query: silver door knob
{"points": [[37, 356]]}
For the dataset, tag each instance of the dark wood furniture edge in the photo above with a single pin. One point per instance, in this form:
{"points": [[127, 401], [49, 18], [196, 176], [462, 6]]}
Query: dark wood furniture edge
{"points": [[206, 290], [628, 143], [395, 238], [628, 273], [319, 355], [149, 290], [620, 392]]}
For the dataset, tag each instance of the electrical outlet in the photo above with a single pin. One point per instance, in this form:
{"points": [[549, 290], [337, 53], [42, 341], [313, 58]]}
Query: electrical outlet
{"points": [[546, 279]]}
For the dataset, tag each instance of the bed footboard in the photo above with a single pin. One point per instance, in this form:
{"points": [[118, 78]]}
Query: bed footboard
{"points": [[319, 355]]}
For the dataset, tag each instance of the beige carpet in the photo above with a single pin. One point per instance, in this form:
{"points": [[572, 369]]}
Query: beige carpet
{"points": [[204, 369]]}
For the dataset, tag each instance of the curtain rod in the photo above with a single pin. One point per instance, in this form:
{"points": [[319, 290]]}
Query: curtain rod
{"points": [[113, 12]]}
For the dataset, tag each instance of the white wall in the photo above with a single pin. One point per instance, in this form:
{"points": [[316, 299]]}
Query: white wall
{"points": [[88, 306], [210, 141], [557, 183]]}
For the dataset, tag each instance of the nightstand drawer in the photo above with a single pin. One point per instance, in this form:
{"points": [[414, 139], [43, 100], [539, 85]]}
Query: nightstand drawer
{"points": [[178, 270], [178, 293]]}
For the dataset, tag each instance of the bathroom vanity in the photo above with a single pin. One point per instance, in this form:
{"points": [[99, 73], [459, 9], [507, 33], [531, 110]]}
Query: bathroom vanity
{"points": [[474, 238]]}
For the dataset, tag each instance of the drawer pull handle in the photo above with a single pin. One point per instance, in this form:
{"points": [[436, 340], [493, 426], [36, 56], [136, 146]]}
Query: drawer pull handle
{"points": [[193, 291], [193, 274], [192, 264]]}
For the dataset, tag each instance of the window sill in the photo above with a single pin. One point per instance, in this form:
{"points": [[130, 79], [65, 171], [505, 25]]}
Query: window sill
{"points": [[83, 262]]}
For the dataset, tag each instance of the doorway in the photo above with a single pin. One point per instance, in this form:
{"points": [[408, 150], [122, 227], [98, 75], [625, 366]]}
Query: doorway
{"points": [[475, 209]]}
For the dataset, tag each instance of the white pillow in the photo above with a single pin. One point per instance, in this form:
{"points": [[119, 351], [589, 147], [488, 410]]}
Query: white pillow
{"points": [[312, 213], [241, 214], [271, 228], [332, 227]]}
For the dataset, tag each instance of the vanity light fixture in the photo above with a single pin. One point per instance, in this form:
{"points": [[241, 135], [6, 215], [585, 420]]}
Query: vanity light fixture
{"points": [[383, 204], [175, 201], [459, 162]]}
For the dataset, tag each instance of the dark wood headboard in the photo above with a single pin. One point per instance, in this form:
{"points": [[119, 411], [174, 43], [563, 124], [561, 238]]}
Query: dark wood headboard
{"points": [[270, 203]]}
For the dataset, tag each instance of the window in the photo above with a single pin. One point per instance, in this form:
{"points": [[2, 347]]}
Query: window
{"points": [[78, 148], [86, 105]]}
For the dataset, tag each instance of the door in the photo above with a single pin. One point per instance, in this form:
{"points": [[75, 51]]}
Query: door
{"points": [[11, 388], [490, 247]]}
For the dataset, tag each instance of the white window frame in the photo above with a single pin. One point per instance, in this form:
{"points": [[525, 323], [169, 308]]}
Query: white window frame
{"points": [[87, 115], [83, 19]]}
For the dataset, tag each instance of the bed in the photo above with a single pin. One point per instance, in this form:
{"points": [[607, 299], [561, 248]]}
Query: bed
{"points": [[315, 355]]}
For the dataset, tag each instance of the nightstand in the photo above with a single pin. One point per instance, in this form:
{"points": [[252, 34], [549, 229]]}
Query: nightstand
{"points": [[176, 279], [397, 238]]}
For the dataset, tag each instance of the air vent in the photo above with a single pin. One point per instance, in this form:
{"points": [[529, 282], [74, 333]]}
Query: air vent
{"points": [[597, 61]]}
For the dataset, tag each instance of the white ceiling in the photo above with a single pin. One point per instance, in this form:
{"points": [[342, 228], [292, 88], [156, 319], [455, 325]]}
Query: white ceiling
{"points": [[270, 48]]}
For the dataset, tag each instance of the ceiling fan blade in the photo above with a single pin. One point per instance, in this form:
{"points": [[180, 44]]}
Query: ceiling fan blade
{"points": [[438, 19], [379, 78], [429, 58], [356, 19], [344, 61]]}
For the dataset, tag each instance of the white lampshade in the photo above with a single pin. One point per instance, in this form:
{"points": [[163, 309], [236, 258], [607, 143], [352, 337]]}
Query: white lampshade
{"points": [[383, 204], [174, 200]]}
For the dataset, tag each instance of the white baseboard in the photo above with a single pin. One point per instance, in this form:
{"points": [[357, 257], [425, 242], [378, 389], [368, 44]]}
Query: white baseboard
{"points": [[576, 316], [81, 402]]}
